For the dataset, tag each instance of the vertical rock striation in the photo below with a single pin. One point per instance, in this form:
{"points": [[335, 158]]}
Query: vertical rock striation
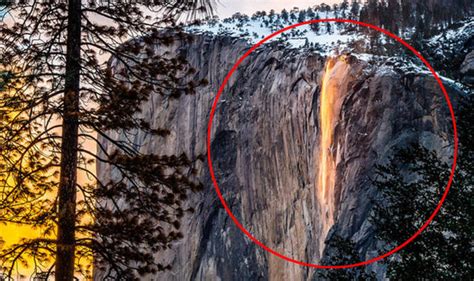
{"points": [[266, 149]]}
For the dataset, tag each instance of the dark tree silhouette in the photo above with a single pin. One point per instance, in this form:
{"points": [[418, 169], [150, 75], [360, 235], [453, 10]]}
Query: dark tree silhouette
{"points": [[342, 251], [428, 17], [315, 26], [412, 184], [355, 9], [310, 13], [61, 93], [302, 16], [285, 15]]}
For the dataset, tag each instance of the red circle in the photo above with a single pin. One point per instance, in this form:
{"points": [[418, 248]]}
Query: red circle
{"points": [[399, 247]]}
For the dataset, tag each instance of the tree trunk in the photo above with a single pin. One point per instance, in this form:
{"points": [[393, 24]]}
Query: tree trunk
{"points": [[64, 270]]}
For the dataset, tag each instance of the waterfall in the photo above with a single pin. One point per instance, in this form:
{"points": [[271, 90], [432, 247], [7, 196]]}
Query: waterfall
{"points": [[330, 103]]}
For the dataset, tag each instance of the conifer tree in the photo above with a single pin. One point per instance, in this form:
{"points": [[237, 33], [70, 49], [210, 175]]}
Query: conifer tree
{"points": [[355, 9], [315, 26], [393, 15], [411, 185], [61, 92], [284, 15], [341, 251], [310, 13], [345, 4], [302, 16]]}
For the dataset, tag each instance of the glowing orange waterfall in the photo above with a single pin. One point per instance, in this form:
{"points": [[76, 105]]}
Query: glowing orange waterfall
{"points": [[326, 116], [327, 167]]}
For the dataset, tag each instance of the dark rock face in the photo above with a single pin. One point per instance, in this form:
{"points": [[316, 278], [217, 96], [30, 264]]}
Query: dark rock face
{"points": [[265, 147], [388, 111], [467, 69]]}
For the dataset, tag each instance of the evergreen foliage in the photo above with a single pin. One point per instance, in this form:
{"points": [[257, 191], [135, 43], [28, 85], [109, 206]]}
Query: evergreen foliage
{"points": [[411, 186], [341, 251], [61, 92]]}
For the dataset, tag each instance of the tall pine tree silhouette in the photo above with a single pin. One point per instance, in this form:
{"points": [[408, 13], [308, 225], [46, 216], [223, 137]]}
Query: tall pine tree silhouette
{"points": [[60, 93]]}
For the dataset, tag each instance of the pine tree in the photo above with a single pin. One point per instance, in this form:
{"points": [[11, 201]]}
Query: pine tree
{"points": [[393, 14], [293, 16], [306, 43], [373, 12], [302, 16], [341, 251], [271, 15], [411, 185], [355, 9], [328, 28], [61, 92], [315, 26], [285, 15], [345, 4], [407, 13], [310, 13]]}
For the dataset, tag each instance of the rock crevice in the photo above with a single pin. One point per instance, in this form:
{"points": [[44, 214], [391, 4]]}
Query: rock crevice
{"points": [[265, 149]]}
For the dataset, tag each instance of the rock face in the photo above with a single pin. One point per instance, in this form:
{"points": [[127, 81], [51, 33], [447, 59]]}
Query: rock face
{"points": [[467, 69], [265, 151]]}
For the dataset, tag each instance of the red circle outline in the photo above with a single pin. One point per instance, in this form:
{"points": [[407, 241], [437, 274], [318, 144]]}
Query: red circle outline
{"points": [[255, 240]]}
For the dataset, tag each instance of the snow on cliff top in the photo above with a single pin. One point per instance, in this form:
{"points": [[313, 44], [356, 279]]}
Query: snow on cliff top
{"points": [[331, 38], [466, 28], [451, 40], [326, 38]]}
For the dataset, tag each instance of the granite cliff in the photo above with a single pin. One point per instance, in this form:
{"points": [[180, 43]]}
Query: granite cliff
{"points": [[266, 147]]}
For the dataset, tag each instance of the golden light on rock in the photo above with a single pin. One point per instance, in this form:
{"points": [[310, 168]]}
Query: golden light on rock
{"points": [[329, 107]]}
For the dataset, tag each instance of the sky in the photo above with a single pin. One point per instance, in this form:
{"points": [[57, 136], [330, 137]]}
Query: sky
{"points": [[226, 8]]}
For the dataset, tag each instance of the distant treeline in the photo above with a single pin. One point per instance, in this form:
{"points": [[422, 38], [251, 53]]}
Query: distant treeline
{"points": [[428, 17], [409, 18]]}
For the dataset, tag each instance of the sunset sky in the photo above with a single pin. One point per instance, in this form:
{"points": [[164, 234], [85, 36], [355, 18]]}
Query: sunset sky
{"points": [[226, 8]]}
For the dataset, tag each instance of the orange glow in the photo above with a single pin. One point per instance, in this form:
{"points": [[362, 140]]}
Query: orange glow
{"points": [[326, 117], [14, 233], [327, 167]]}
